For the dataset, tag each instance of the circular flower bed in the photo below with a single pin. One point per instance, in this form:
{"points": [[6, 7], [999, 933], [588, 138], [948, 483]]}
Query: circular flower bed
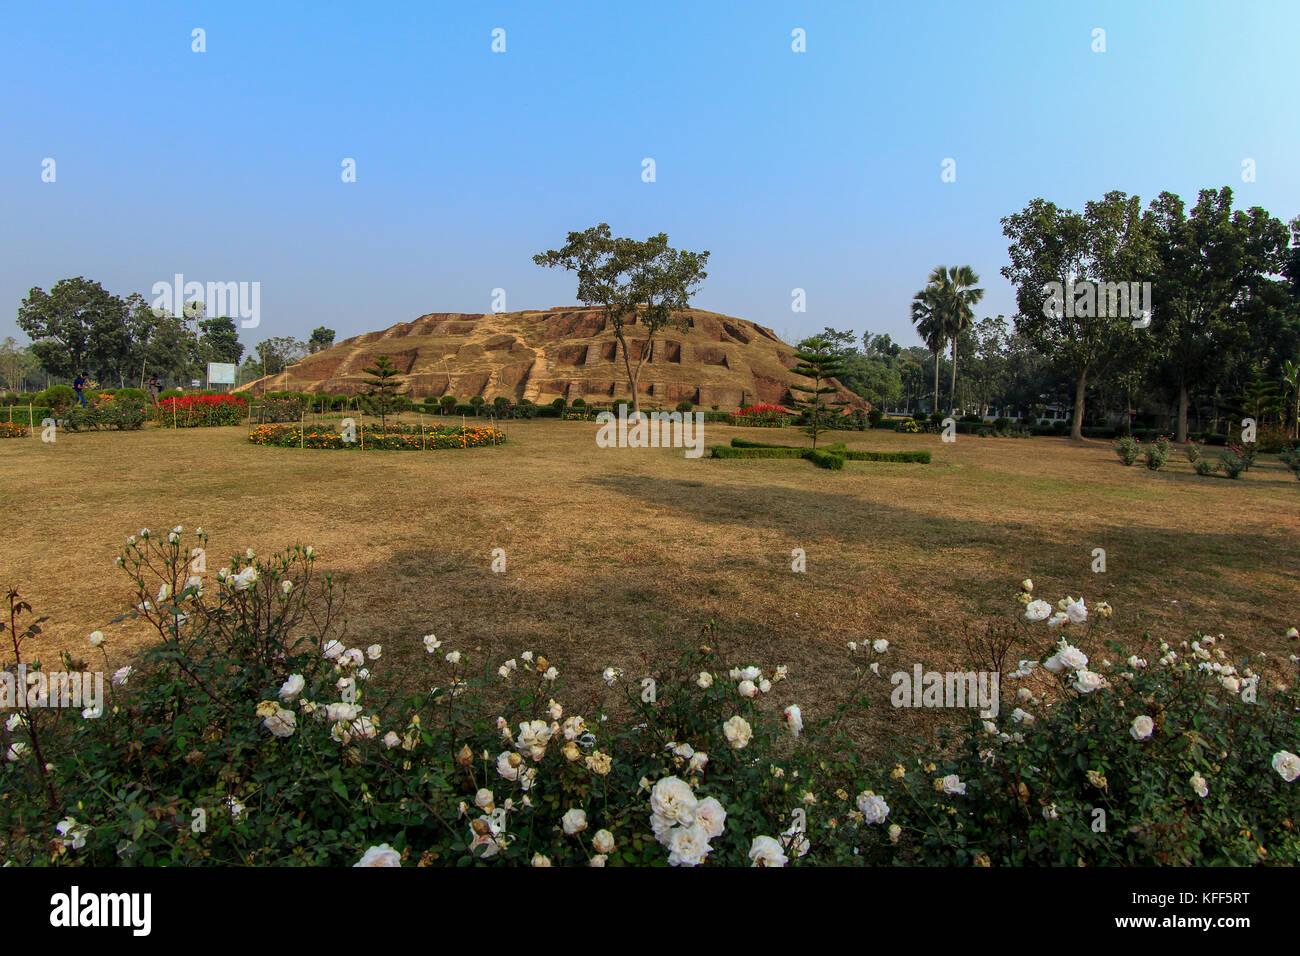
{"points": [[394, 437]]}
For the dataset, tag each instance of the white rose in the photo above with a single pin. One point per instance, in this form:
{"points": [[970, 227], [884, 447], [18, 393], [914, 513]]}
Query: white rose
{"points": [[431, 643], [880, 646], [332, 649], [746, 688], [1072, 657], [699, 760], [738, 732], [710, 815], [873, 808], [1199, 785], [1037, 611], [1088, 681], [292, 687], [705, 680], [688, 846], [953, 784], [1142, 727], [1287, 765], [281, 723], [382, 855], [96, 638], [794, 719], [1027, 585], [391, 740], [120, 676], [374, 651], [765, 851], [603, 842], [574, 821], [1076, 612], [671, 799]]}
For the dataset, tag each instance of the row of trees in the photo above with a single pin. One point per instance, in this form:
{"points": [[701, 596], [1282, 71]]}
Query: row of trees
{"points": [[79, 326], [1224, 309]]}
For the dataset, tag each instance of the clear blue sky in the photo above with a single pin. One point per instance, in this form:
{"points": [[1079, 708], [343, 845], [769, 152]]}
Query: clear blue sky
{"points": [[818, 170]]}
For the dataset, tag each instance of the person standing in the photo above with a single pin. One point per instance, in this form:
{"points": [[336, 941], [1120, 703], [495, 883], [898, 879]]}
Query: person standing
{"points": [[78, 385]]}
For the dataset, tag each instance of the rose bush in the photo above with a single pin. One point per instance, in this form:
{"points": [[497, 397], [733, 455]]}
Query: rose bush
{"points": [[250, 732]]}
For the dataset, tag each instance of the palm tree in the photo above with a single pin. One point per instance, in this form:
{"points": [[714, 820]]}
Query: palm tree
{"points": [[956, 295], [927, 316]]}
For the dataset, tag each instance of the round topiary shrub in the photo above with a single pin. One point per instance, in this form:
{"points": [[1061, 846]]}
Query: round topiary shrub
{"points": [[685, 407], [58, 398]]}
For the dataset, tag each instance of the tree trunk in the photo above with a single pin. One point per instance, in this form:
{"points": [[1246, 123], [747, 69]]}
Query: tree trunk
{"points": [[952, 390], [1180, 435], [935, 407], [631, 379], [1076, 426]]}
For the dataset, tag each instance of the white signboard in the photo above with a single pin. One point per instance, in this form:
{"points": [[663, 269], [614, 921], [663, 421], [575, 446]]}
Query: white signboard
{"points": [[220, 373]]}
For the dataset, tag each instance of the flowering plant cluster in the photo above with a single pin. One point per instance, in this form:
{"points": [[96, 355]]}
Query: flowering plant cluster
{"points": [[1235, 460], [392, 437], [254, 731], [13, 430], [201, 411], [761, 416], [121, 411]]}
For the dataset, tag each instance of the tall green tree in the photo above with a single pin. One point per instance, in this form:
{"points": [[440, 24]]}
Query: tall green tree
{"points": [[1110, 242], [1214, 268], [219, 341], [820, 362], [77, 326]]}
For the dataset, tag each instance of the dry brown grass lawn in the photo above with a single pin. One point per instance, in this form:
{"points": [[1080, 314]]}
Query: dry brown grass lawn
{"points": [[616, 553]]}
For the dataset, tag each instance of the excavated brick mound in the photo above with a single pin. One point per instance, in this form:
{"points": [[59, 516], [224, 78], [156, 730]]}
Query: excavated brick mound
{"points": [[565, 353]]}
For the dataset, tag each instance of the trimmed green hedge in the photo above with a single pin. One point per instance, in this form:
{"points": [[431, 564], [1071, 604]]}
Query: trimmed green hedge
{"points": [[723, 451], [912, 457], [823, 459], [828, 456]]}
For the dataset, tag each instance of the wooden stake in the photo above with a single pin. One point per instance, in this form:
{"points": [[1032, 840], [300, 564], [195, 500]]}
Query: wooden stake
{"points": [[421, 431]]}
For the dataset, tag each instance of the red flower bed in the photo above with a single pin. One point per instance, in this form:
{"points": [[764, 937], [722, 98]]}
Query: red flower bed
{"points": [[197, 411], [761, 416]]}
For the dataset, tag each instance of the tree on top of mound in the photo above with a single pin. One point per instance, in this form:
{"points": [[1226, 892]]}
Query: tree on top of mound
{"points": [[631, 281]]}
